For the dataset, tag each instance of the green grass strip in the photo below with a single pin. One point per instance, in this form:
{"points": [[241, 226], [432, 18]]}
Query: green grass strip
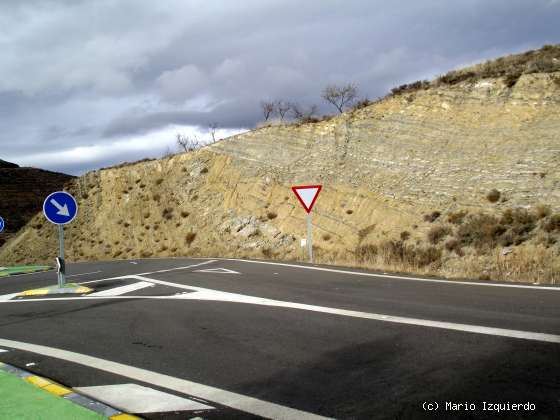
{"points": [[23, 269], [24, 401]]}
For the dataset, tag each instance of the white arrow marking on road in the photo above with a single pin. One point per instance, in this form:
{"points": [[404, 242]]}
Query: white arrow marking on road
{"points": [[62, 210], [217, 270]]}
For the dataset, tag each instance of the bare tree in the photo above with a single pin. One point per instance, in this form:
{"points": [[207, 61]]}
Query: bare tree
{"points": [[302, 114], [213, 127], [340, 96], [267, 109], [187, 143], [283, 108]]}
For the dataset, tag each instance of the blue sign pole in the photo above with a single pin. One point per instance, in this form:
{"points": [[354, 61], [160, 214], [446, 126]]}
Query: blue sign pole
{"points": [[60, 208], [1, 224]]}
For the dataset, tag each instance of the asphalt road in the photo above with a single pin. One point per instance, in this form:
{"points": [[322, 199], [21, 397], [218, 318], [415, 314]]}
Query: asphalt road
{"points": [[241, 339]]}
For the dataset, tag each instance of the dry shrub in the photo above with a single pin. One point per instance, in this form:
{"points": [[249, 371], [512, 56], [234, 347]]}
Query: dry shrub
{"points": [[146, 254], [400, 254], [542, 211], [437, 233], [167, 213], [405, 235], [326, 237], [453, 245], [185, 214], [484, 231], [204, 170], [545, 60], [511, 79], [366, 253], [480, 230], [159, 181], [432, 217], [552, 223], [146, 215], [410, 87], [267, 252], [271, 215], [190, 237], [493, 196], [456, 217], [363, 103], [156, 197], [362, 233], [349, 211]]}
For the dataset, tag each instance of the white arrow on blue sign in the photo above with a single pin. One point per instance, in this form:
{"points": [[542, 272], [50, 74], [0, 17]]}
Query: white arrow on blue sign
{"points": [[60, 208], [1, 224]]}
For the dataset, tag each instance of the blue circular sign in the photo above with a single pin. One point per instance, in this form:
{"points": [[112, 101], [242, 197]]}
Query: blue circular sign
{"points": [[1, 224], [60, 208]]}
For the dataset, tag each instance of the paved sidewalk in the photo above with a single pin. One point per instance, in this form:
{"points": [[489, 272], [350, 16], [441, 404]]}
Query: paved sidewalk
{"points": [[24, 401]]}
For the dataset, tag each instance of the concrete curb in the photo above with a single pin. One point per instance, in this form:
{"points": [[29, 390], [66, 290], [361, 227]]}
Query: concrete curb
{"points": [[67, 393]]}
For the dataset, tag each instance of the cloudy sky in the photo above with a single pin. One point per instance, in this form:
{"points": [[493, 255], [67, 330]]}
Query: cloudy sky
{"points": [[86, 84]]}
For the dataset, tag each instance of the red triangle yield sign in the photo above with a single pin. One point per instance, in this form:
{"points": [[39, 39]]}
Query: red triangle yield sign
{"points": [[307, 195]]}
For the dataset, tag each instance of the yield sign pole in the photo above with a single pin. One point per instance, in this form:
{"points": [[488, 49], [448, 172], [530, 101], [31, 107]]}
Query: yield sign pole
{"points": [[309, 238], [307, 195]]}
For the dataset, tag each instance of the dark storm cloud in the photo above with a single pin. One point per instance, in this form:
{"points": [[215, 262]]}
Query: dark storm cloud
{"points": [[88, 74]]}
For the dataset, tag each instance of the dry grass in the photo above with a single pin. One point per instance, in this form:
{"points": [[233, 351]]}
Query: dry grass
{"points": [[509, 68], [475, 248]]}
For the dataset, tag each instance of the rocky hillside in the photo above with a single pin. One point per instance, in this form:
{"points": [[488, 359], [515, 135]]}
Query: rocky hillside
{"points": [[22, 191], [456, 178]]}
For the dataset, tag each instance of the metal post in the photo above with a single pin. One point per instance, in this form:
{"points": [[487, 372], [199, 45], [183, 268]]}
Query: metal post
{"points": [[309, 238], [61, 279]]}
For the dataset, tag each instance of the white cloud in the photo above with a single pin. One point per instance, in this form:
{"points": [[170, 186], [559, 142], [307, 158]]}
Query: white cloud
{"points": [[154, 144]]}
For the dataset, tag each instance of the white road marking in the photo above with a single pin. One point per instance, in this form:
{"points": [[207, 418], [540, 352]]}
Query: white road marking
{"points": [[205, 392], [7, 298], [215, 295], [4, 351], [117, 291], [177, 268], [151, 272], [217, 270], [134, 398], [357, 273], [201, 293], [83, 274]]}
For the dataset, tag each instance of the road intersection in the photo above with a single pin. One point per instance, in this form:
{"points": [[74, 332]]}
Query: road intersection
{"points": [[228, 338]]}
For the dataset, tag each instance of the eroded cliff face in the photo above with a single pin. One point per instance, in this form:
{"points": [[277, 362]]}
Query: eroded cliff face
{"points": [[383, 168]]}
